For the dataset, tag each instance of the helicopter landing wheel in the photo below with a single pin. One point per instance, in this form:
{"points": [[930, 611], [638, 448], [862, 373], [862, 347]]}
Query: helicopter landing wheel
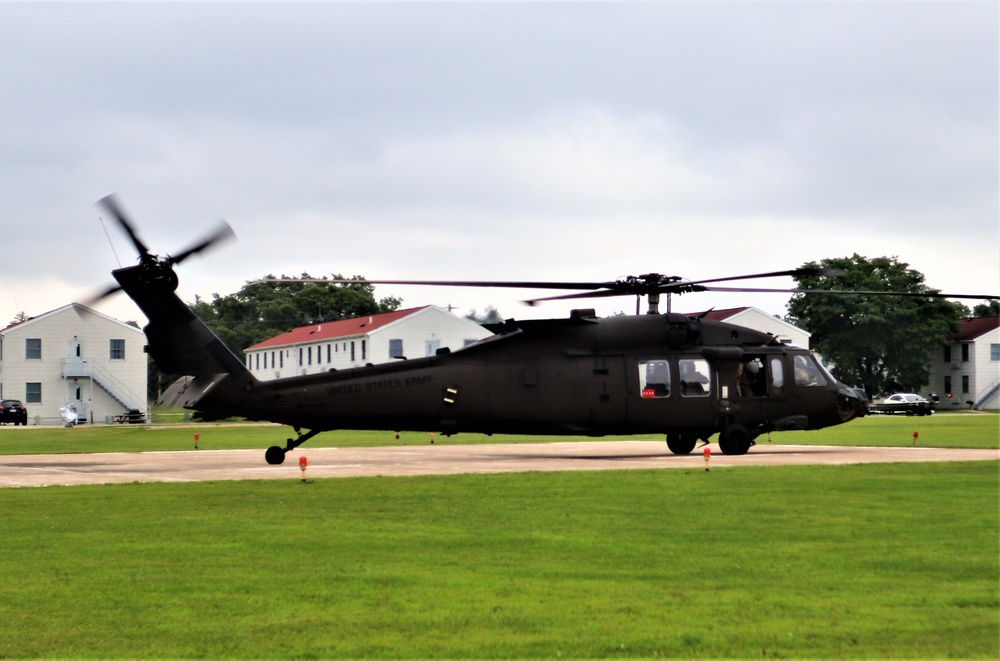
{"points": [[275, 455], [681, 443], [735, 439]]}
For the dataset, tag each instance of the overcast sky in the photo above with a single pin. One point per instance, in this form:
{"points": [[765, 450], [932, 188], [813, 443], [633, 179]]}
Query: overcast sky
{"points": [[555, 141]]}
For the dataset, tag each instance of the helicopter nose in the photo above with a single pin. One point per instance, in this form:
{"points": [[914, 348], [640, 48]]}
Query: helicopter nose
{"points": [[850, 405]]}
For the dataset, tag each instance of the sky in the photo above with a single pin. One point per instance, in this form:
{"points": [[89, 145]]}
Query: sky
{"points": [[497, 141]]}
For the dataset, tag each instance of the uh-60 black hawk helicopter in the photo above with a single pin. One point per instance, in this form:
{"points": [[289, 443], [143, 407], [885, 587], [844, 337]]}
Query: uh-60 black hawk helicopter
{"points": [[687, 377]]}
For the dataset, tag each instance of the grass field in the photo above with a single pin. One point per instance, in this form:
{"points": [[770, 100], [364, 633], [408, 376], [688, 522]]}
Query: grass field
{"points": [[888, 561], [973, 430], [854, 561]]}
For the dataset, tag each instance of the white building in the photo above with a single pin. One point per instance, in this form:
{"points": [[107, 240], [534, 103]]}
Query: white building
{"points": [[966, 373], [74, 355], [757, 319], [379, 338]]}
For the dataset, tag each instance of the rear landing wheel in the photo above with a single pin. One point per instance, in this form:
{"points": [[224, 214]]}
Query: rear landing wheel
{"points": [[681, 443], [275, 455]]}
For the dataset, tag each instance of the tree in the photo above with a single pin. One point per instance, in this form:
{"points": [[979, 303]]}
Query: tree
{"points": [[988, 309], [490, 316], [881, 343], [261, 310]]}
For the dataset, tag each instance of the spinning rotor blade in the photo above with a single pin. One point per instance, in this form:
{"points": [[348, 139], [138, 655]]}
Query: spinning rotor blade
{"points": [[449, 283], [223, 233], [97, 298], [111, 204], [927, 294]]}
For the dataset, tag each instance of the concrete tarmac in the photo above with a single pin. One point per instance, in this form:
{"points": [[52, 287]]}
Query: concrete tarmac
{"points": [[440, 459]]}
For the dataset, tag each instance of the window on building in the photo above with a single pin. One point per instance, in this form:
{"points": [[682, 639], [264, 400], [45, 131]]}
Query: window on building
{"points": [[947, 354], [33, 348], [117, 349], [947, 385], [396, 349], [32, 393], [352, 352], [965, 353], [995, 352], [965, 384], [364, 349], [328, 360]]}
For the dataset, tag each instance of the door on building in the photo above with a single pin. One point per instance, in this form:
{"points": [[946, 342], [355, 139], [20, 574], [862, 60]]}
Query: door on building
{"points": [[75, 360], [75, 397]]}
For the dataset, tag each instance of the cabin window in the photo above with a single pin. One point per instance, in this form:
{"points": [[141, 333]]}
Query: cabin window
{"points": [[694, 377], [33, 348], [117, 350], [777, 375], [654, 379], [396, 348], [965, 353], [32, 393], [994, 353], [807, 372]]}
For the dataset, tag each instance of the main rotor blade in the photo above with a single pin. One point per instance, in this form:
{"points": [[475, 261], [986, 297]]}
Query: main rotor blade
{"points": [[113, 206], [449, 283], [804, 271], [846, 292], [223, 233]]}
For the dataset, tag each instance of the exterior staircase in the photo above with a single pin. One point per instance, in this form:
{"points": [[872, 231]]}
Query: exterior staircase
{"points": [[991, 392], [88, 368]]}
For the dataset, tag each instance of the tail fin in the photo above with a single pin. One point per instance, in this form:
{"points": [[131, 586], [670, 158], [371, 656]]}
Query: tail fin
{"points": [[179, 341]]}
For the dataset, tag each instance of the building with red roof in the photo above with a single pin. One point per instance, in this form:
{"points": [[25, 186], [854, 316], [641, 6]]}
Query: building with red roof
{"points": [[966, 374], [378, 338]]}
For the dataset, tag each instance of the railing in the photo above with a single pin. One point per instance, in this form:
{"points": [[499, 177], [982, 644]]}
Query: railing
{"points": [[92, 369], [991, 390]]}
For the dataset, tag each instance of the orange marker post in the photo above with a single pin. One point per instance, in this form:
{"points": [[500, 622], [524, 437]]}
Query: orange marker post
{"points": [[196, 440], [708, 456], [302, 464], [915, 435]]}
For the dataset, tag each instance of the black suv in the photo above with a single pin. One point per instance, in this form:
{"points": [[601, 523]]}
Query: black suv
{"points": [[12, 410]]}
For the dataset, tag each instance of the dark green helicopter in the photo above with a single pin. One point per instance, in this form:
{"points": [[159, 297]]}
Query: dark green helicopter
{"points": [[687, 377]]}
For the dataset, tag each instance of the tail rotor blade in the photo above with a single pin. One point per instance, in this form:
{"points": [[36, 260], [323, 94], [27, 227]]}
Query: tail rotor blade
{"points": [[114, 207], [223, 233]]}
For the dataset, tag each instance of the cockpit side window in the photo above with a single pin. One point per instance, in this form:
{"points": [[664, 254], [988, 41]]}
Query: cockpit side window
{"points": [[807, 372], [694, 377], [654, 379]]}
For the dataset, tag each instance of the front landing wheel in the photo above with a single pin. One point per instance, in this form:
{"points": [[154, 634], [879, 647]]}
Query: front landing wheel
{"points": [[275, 455]]}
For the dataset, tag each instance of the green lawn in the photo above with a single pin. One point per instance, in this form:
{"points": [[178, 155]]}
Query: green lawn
{"points": [[892, 561]]}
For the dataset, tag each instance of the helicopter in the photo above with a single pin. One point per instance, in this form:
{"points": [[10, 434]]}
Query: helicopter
{"points": [[687, 377]]}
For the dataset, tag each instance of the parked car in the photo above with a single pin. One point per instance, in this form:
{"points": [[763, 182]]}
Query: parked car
{"points": [[12, 410], [904, 402]]}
